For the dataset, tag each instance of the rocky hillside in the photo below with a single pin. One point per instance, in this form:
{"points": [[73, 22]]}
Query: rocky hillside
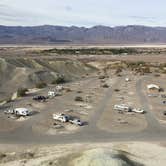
{"points": [[22, 72], [98, 34]]}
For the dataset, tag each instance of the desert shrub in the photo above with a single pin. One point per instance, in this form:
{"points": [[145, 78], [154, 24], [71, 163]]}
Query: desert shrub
{"points": [[41, 85], [27, 155], [161, 90], [116, 90], [2, 156], [8, 100], [118, 70], [21, 92], [105, 86], [157, 75], [68, 90], [102, 77], [146, 70], [134, 65], [78, 98], [59, 80]]}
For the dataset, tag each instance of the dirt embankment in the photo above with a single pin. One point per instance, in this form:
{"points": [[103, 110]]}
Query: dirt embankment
{"points": [[103, 154], [27, 72]]}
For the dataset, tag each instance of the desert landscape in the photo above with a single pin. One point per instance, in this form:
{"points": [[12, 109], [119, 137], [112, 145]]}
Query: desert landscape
{"points": [[69, 105]]}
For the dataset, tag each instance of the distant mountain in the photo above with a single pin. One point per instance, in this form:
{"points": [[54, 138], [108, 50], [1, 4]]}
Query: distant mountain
{"points": [[99, 34]]}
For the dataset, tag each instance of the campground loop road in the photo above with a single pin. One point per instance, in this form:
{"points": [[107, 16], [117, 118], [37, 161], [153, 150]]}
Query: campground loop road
{"points": [[91, 133]]}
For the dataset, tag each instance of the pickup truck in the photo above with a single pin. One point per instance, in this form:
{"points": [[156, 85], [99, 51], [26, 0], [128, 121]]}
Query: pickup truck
{"points": [[60, 117]]}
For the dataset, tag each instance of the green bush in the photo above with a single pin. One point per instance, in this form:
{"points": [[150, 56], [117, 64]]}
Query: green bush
{"points": [[41, 85], [21, 92]]}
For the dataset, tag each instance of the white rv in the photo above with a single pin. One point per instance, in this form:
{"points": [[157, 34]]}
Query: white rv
{"points": [[19, 111], [122, 107]]}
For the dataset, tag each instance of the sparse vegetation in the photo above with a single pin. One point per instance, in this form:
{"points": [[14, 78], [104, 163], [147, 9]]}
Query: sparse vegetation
{"points": [[78, 98], [118, 71], [157, 75], [92, 51], [28, 155], [41, 85], [116, 90], [105, 86], [102, 77], [59, 80], [164, 113], [21, 92], [2, 156]]}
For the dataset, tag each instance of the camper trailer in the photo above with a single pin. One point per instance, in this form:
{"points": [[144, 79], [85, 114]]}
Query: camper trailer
{"points": [[18, 111], [122, 107]]}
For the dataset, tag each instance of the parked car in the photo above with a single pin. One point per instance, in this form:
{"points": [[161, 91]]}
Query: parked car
{"points": [[39, 98], [141, 111], [76, 122]]}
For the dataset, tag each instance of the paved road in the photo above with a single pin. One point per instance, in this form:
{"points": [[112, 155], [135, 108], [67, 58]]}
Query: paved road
{"points": [[153, 132]]}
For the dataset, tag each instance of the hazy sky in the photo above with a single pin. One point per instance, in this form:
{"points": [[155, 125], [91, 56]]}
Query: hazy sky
{"points": [[83, 12]]}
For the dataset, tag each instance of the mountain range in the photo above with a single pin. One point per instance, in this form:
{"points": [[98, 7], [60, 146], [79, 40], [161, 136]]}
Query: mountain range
{"points": [[48, 34]]}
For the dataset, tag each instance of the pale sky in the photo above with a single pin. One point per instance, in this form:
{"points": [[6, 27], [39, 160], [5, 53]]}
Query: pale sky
{"points": [[83, 12]]}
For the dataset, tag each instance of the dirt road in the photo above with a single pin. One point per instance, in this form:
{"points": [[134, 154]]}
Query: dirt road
{"points": [[91, 133]]}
